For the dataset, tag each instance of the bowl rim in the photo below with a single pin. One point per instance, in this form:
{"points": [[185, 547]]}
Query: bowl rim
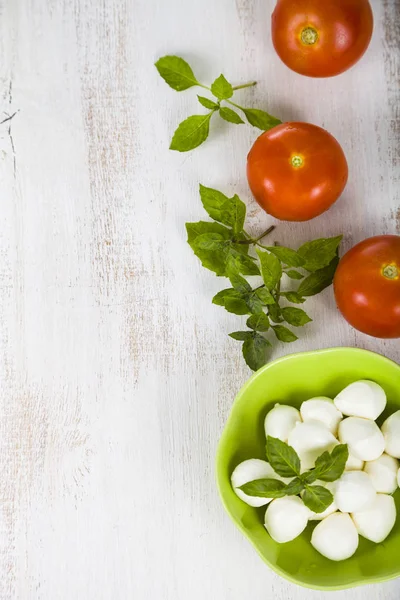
{"points": [[243, 389]]}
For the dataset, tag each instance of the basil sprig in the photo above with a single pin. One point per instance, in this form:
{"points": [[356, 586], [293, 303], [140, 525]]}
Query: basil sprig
{"points": [[286, 463], [224, 247], [194, 130]]}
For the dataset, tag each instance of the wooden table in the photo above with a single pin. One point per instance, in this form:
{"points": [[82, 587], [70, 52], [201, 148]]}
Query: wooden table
{"points": [[116, 371]]}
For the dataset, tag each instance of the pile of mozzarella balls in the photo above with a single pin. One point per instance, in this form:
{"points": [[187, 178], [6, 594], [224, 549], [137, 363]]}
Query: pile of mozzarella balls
{"points": [[363, 504]]}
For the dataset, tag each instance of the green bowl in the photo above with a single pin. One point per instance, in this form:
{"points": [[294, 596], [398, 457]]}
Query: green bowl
{"points": [[291, 380]]}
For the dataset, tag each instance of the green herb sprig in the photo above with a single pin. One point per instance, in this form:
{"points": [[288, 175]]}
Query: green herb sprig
{"points": [[286, 463], [223, 246], [194, 130]]}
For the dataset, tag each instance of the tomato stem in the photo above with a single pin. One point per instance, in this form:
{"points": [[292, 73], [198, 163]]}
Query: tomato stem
{"points": [[391, 272], [297, 161], [309, 36]]}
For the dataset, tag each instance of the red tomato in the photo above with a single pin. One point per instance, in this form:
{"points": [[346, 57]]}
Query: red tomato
{"points": [[296, 171], [367, 286], [321, 38]]}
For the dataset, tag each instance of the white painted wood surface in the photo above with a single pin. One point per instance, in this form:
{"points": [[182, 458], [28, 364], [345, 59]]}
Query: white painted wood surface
{"points": [[116, 372]]}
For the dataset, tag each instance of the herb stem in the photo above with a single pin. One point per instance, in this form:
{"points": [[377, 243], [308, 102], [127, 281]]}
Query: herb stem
{"points": [[278, 292], [267, 232], [234, 104], [255, 240], [244, 85]]}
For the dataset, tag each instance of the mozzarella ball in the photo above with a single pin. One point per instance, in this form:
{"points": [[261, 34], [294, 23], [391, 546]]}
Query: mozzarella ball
{"points": [[363, 437], [391, 433], [280, 421], [354, 464], [310, 440], [250, 470], [383, 473], [354, 491], [362, 399], [286, 518], [332, 508], [375, 523], [323, 410], [335, 537]]}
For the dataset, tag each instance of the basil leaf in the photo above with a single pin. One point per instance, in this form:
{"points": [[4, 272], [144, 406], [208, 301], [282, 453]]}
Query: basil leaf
{"points": [[287, 256], [329, 467], [210, 241], [318, 281], [192, 132], [274, 312], [176, 72], [232, 301], [240, 284], [215, 261], [282, 458], [196, 229], [295, 316], [241, 336], [265, 488], [294, 274], [229, 211], [255, 352], [309, 476], [293, 297], [260, 118], [271, 269], [317, 498], [236, 306], [265, 296], [241, 300], [319, 253], [220, 254], [258, 322], [221, 88], [230, 115], [236, 262], [254, 303], [294, 487], [207, 103], [284, 334]]}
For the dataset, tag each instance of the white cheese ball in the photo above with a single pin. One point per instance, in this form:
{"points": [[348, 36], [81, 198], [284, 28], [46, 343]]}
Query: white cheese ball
{"points": [[310, 440], [354, 464], [362, 399], [250, 470], [383, 473], [376, 522], [354, 491], [335, 537], [332, 508], [286, 518], [363, 437], [391, 433], [280, 421], [321, 409]]}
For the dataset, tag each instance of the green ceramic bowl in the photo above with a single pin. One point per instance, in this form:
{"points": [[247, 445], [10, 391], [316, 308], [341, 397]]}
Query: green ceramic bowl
{"points": [[291, 380]]}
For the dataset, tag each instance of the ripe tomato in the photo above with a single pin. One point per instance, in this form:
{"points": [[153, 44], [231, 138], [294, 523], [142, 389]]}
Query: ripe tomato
{"points": [[367, 286], [321, 38], [296, 171]]}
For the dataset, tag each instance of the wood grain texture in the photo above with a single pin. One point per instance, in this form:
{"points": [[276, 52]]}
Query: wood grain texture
{"points": [[116, 372]]}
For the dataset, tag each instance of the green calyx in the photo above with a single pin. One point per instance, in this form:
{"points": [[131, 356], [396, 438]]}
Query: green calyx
{"points": [[309, 36]]}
